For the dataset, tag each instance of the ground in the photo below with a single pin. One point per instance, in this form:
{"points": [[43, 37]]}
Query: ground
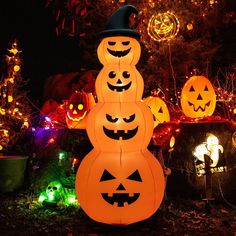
{"points": [[20, 215]]}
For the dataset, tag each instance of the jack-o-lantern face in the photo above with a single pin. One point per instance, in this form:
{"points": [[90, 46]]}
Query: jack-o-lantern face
{"points": [[120, 197], [119, 83], [119, 188], [120, 134], [158, 108], [77, 108], [119, 50], [117, 126], [198, 98]]}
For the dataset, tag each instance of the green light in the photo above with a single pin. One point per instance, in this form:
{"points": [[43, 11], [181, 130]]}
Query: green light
{"points": [[41, 198], [62, 155]]}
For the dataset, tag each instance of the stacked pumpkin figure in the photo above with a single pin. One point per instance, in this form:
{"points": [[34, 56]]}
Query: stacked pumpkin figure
{"points": [[120, 181]]}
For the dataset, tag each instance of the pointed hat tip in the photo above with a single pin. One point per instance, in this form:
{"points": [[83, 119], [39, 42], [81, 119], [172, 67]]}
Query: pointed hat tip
{"points": [[118, 23]]}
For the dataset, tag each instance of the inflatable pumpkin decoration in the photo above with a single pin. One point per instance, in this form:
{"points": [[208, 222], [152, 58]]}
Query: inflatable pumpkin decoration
{"points": [[158, 108], [119, 83], [119, 182], [77, 108], [198, 98]]}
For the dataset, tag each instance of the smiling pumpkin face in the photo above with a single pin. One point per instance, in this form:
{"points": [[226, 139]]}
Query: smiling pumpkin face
{"points": [[198, 98], [119, 188], [119, 50], [120, 126], [77, 108], [119, 83]]}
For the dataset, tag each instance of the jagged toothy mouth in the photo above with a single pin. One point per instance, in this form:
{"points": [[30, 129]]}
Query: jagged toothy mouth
{"points": [[199, 107], [120, 199], [119, 88], [119, 53], [120, 134]]}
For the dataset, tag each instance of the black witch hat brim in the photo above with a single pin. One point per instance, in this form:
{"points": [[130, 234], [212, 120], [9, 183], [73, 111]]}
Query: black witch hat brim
{"points": [[121, 32]]}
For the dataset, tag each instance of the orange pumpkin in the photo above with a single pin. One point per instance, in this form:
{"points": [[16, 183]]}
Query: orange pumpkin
{"points": [[119, 83], [120, 127], [119, 188], [198, 98], [77, 108], [158, 108], [119, 50]]}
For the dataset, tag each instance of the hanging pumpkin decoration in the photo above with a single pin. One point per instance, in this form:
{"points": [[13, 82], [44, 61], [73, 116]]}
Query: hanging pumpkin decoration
{"points": [[198, 98], [77, 108], [119, 44], [120, 188], [119, 83], [158, 108], [116, 127], [163, 26]]}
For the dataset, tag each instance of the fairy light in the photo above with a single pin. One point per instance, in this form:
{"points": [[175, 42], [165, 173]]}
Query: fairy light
{"points": [[163, 26]]}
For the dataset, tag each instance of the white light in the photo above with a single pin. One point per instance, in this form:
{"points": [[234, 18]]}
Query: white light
{"points": [[210, 148]]}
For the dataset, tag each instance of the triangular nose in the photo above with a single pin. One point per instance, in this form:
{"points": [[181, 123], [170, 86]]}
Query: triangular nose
{"points": [[199, 97], [119, 81], [120, 187]]}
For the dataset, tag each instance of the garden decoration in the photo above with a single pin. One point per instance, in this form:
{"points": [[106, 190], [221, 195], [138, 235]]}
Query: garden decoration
{"points": [[123, 83], [77, 108], [158, 108], [163, 26], [198, 98], [55, 193], [210, 148], [119, 182]]}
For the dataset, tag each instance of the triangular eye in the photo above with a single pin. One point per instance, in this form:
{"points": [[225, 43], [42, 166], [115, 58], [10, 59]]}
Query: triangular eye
{"points": [[191, 89], [206, 88], [160, 110], [106, 176], [135, 176]]}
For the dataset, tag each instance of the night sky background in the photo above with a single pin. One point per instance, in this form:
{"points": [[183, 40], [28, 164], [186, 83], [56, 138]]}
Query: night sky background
{"points": [[44, 53]]}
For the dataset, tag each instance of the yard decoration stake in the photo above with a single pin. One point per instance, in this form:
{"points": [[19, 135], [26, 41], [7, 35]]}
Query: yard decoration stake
{"points": [[119, 182]]}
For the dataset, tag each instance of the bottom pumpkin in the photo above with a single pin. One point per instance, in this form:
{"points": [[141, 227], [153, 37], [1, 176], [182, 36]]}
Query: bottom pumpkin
{"points": [[120, 188]]}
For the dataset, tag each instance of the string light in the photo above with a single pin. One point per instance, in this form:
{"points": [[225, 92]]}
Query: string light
{"points": [[163, 26]]}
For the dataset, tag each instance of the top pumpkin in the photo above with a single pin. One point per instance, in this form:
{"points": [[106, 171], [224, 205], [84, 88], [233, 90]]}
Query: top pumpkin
{"points": [[119, 50], [119, 44], [198, 98]]}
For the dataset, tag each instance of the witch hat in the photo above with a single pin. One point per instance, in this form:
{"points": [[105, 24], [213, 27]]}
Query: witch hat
{"points": [[118, 23]]}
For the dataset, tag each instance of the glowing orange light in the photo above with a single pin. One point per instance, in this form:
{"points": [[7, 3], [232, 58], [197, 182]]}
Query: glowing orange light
{"points": [[51, 140]]}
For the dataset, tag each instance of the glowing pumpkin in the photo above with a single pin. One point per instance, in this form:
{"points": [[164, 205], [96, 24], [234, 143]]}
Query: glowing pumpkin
{"points": [[158, 108], [77, 108], [119, 50], [119, 188], [119, 83], [116, 127], [163, 26], [198, 98]]}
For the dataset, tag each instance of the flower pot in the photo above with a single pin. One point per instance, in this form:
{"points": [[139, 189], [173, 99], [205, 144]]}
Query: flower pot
{"points": [[12, 173]]}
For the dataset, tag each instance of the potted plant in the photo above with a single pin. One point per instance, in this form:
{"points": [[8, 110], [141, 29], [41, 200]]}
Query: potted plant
{"points": [[14, 120]]}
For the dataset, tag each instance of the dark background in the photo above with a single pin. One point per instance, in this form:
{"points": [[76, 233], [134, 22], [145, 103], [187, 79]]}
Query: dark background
{"points": [[43, 52]]}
